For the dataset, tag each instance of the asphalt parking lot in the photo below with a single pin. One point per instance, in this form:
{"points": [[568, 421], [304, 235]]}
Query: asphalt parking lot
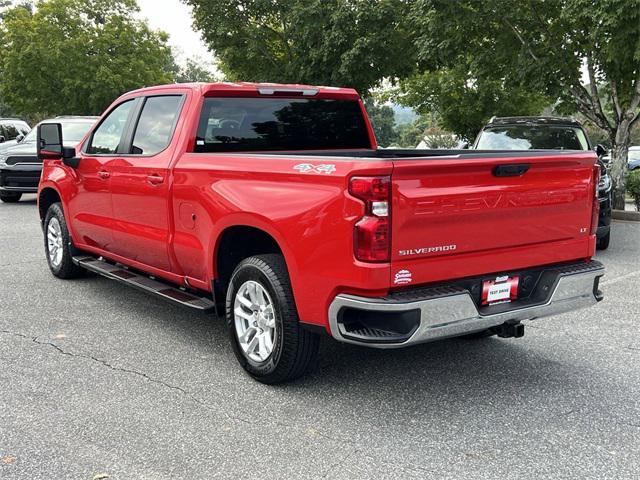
{"points": [[101, 381]]}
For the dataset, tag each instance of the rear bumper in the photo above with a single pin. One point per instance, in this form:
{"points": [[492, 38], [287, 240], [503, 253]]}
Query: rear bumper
{"points": [[428, 314]]}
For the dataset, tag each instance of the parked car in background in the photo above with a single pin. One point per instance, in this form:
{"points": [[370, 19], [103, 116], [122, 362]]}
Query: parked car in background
{"points": [[551, 133], [273, 205], [634, 158], [19, 165], [12, 129]]}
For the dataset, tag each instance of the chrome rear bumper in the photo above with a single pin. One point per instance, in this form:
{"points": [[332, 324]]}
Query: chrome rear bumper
{"points": [[449, 311]]}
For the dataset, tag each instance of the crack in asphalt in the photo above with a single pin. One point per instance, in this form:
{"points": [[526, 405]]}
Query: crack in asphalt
{"points": [[102, 362], [355, 449], [183, 391]]}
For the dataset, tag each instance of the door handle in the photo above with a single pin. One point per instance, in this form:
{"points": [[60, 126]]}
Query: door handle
{"points": [[155, 179], [103, 174]]}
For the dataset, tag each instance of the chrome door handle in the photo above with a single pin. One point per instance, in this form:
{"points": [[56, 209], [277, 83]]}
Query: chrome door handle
{"points": [[103, 174]]}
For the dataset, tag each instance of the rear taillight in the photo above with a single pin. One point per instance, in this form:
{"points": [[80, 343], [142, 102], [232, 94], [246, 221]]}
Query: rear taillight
{"points": [[595, 213], [372, 233]]}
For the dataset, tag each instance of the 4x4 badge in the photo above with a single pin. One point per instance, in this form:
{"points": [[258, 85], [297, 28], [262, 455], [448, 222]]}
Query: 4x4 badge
{"points": [[327, 168]]}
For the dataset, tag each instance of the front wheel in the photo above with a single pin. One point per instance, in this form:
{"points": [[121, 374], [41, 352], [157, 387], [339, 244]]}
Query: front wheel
{"points": [[263, 322], [10, 197], [57, 244]]}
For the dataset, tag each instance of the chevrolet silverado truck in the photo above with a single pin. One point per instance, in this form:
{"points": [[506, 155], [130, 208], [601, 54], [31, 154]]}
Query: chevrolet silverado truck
{"points": [[272, 206]]}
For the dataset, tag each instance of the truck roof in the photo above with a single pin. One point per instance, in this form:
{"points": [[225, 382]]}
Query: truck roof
{"points": [[266, 89], [540, 120]]}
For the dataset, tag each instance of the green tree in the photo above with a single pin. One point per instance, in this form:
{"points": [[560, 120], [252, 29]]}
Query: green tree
{"points": [[322, 42], [463, 101], [383, 121], [545, 46], [76, 56], [194, 70], [4, 5], [411, 134]]}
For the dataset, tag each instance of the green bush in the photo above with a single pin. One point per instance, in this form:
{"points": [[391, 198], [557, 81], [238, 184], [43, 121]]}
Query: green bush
{"points": [[633, 187]]}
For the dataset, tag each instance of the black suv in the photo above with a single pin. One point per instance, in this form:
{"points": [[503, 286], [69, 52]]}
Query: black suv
{"points": [[550, 133], [19, 165], [12, 129]]}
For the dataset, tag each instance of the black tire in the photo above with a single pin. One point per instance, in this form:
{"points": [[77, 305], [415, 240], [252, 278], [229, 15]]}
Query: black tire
{"points": [[66, 269], [294, 349], [603, 243], [10, 197]]}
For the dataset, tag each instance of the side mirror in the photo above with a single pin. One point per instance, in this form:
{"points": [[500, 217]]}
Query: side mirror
{"points": [[19, 138], [2, 139], [50, 146], [600, 150], [464, 146], [49, 141]]}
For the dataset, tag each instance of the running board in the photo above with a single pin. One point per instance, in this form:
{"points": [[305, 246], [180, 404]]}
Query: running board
{"points": [[145, 283]]}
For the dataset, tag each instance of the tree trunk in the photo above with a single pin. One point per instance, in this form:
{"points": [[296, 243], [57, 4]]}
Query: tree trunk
{"points": [[619, 156]]}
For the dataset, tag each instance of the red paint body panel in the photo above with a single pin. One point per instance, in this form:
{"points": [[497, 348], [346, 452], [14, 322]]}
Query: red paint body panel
{"points": [[171, 229], [453, 218]]}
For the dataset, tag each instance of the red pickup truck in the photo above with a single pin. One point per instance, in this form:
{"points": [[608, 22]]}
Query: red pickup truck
{"points": [[272, 205]]}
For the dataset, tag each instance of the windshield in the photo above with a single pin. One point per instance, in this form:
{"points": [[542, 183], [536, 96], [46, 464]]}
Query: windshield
{"points": [[72, 132], [536, 137], [245, 124]]}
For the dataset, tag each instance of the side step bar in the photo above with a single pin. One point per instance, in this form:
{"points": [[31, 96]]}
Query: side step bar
{"points": [[145, 283]]}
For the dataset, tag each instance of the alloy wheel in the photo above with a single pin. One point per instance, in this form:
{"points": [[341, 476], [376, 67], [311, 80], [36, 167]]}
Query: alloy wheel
{"points": [[255, 321]]}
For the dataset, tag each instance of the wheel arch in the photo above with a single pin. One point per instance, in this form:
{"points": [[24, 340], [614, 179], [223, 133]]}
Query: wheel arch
{"points": [[47, 197], [237, 242]]}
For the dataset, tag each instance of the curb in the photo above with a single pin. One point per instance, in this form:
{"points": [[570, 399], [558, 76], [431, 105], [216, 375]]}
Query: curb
{"points": [[626, 215]]}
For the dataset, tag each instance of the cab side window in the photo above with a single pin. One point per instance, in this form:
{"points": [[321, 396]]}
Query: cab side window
{"points": [[156, 125], [107, 137]]}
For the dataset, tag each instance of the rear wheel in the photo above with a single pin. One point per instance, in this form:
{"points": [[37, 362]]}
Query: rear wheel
{"points": [[263, 322], [57, 244], [603, 243], [10, 197]]}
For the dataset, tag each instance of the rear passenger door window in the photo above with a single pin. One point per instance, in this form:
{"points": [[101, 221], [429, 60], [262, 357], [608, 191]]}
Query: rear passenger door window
{"points": [[107, 137], [156, 124]]}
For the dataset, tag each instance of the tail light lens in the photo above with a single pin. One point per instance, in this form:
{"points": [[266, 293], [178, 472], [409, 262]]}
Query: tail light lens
{"points": [[372, 233], [595, 213]]}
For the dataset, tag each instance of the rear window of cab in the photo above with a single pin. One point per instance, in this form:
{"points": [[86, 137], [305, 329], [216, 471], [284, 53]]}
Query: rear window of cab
{"points": [[268, 124]]}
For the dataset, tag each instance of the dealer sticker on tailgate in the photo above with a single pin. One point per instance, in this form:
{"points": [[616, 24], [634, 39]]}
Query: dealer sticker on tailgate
{"points": [[501, 290]]}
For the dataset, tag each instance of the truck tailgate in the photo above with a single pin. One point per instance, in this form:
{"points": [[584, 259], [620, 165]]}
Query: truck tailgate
{"points": [[461, 216]]}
